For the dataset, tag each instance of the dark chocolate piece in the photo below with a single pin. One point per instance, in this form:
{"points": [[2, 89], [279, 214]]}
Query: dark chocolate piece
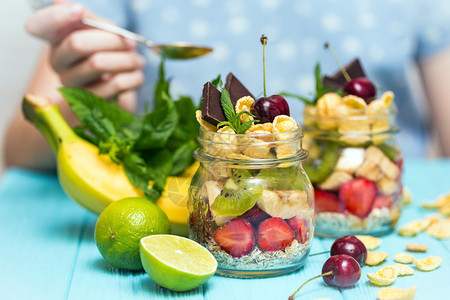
{"points": [[236, 88], [211, 109], [337, 80]]}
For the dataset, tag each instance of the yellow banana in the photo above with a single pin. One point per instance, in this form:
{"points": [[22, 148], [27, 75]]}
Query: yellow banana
{"points": [[92, 179]]}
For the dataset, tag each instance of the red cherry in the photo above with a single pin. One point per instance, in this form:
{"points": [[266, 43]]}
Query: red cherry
{"points": [[361, 87], [345, 271], [268, 108], [339, 271], [350, 245]]}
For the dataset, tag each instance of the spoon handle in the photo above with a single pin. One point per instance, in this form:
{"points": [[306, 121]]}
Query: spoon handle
{"points": [[117, 30]]}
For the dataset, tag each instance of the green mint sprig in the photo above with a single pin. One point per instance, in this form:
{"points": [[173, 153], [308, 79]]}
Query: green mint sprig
{"points": [[234, 119], [320, 89]]}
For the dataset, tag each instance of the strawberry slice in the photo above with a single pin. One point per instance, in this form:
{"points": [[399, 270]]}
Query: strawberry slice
{"points": [[236, 237], [274, 234], [255, 216], [300, 226], [358, 195], [382, 201], [327, 202]]}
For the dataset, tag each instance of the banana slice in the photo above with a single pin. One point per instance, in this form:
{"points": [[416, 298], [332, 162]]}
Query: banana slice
{"points": [[369, 170], [387, 186], [283, 204], [375, 156], [350, 160], [335, 180]]}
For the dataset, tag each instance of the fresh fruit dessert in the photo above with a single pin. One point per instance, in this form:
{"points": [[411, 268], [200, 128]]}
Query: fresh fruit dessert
{"points": [[250, 201], [354, 162]]}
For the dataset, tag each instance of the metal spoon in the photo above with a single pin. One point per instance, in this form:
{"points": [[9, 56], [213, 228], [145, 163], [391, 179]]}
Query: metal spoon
{"points": [[177, 50]]}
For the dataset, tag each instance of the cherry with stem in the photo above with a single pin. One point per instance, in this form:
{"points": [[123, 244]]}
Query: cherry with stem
{"points": [[339, 271], [267, 108], [360, 86]]}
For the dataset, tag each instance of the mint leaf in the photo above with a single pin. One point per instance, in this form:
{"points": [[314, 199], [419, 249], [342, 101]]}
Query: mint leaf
{"points": [[216, 82], [159, 143], [227, 106], [183, 157], [101, 118], [158, 125], [304, 99]]}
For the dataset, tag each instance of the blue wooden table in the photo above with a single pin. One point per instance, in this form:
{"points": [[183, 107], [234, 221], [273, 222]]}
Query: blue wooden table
{"points": [[47, 250]]}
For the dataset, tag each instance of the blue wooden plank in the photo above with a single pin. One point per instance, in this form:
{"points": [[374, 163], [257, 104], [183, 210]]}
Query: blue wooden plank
{"points": [[50, 252], [94, 278], [40, 228]]}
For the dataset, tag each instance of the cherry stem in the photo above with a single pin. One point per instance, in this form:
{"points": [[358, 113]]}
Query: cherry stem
{"points": [[291, 297], [264, 42], [343, 71], [319, 253]]}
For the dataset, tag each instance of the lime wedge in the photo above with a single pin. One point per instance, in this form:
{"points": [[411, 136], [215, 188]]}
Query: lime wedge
{"points": [[175, 262]]}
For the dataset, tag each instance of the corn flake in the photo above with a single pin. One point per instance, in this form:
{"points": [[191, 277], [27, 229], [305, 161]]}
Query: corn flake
{"points": [[375, 258], [403, 257], [369, 241], [265, 127], [203, 123], [403, 270], [244, 104], [407, 196], [441, 201], [428, 264], [384, 276], [414, 227], [354, 102], [440, 229], [283, 123], [417, 247], [396, 294]]}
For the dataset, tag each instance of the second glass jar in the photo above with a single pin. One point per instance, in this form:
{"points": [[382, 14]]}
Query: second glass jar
{"points": [[355, 166]]}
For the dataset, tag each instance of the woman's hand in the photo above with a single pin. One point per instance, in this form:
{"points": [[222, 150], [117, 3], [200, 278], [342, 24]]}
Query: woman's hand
{"points": [[98, 61]]}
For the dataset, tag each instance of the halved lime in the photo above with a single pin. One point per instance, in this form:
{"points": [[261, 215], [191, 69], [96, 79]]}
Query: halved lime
{"points": [[175, 262]]}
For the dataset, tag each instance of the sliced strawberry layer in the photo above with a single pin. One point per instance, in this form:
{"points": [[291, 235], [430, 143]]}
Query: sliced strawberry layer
{"points": [[358, 195], [255, 216], [274, 234], [382, 201], [300, 226], [327, 202], [237, 237]]}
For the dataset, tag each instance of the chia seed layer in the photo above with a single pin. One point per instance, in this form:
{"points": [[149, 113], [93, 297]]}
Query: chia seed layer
{"points": [[258, 259]]}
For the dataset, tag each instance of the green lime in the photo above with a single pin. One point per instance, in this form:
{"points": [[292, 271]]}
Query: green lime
{"points": [[175, 262], [121, 226]]}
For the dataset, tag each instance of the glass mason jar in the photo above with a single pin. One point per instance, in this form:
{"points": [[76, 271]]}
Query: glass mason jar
{"points": [[250, 202], [355, 166]]}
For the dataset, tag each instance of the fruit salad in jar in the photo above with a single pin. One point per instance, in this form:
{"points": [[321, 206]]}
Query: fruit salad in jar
{"points": [[250, 202], [354, 162]]}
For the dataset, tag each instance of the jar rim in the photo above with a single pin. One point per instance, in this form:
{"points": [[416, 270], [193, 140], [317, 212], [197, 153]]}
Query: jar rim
{"points": [[229, 141]]}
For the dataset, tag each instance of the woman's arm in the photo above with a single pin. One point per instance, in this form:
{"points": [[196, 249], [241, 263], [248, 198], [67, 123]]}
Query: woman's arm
{"points": [[76, 56], [436, 75]]}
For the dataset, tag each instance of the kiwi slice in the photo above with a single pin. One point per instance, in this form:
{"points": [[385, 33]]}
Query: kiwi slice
{"points": [[320, 168], [391, 152], [239, 194], [281, 178]]}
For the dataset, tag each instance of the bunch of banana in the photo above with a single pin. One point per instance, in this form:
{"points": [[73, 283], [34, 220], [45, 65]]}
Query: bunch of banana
{"points": [[92, 179]]}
